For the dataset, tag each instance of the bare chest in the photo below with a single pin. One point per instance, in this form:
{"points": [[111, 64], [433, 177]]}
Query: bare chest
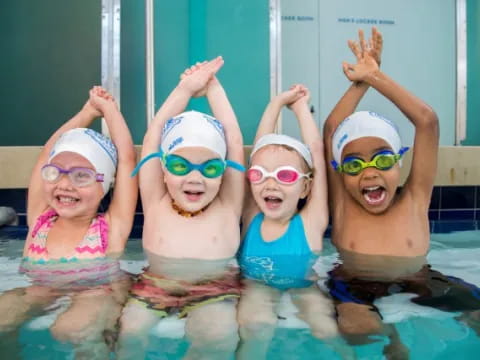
{"points": [[62, 242], [402, 231], [211, 235]]}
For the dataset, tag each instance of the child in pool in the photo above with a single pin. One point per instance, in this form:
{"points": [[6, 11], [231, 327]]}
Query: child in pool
{"points": [[68, 242], [192, 201], [281, 243], [373, 224]]}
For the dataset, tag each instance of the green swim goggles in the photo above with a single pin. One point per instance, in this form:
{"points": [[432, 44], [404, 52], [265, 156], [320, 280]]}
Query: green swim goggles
{"points": [[180, 166], [382, 160]]}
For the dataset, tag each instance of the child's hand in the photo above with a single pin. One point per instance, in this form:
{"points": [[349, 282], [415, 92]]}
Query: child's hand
{"points": [[374, 46], [287, 98], [368, 56], [91, 109], [101, 100], [189, 72], [301, 101], [196, 79], [365, 66]]}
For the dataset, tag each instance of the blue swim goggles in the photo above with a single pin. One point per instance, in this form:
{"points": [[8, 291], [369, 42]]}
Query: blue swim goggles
{"points": [[180, 166], [382, 160]]}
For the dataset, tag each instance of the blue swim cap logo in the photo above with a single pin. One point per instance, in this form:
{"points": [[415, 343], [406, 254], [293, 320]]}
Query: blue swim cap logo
{"points": [[105, 143], [174, 143], [389, 122], [342, 140], [216, 124], [169, 125]]}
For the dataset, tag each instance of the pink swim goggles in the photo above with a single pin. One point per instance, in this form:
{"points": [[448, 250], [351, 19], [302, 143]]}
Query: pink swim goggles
{"points": [[286, 175]]}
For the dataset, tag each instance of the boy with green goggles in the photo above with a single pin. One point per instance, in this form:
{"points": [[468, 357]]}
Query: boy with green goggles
{"points": [[382, 235]]}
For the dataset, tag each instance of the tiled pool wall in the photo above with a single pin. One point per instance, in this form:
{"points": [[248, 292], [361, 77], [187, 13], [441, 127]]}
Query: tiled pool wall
{"points": [[455, 208], [452, 207]]}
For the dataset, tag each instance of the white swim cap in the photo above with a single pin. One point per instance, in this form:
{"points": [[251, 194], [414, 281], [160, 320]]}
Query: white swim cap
{"points": [[193, 128], [364, 124], [93, 146], [280, 139]]}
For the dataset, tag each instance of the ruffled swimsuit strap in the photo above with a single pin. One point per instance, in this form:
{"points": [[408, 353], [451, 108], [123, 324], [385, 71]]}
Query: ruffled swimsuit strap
{"points": [[43, 219], [96, 239], [38, 248]]}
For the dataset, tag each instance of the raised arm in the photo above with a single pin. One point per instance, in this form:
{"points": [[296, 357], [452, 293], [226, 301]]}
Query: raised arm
{"points": [[121, 211], [422, 116], [36, 202], [349, 102], [425, 148], [270, 116], [316, 208], [152, 188], [233, 184], [267, 125]]}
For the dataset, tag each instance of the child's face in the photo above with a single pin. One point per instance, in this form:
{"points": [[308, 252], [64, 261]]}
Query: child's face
{"points": [[193, 191], [279, 201], [65, 198], [372, 188]]}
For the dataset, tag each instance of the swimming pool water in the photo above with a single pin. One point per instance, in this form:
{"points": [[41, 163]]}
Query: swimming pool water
{"points": [[427, 332]]}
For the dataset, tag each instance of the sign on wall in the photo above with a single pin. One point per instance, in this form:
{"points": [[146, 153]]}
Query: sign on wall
{"points": [[419, 53]]}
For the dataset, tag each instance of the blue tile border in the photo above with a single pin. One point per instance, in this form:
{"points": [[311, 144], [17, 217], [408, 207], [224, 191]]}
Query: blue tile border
{"points": [[434, 215], [442, 227], [457, 214], [458, 197], [448, 203], [436, 227], [435, 198]]}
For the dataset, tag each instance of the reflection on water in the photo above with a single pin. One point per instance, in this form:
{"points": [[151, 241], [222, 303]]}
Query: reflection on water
{"points": [[75, 274], [426, 333], [77, 301], [186, 269], [379, 267], [204, 292]]}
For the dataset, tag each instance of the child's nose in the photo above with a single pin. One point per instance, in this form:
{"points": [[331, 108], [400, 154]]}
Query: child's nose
{"points": [[194, 176], [64, 182], [370, 173], [271, 182]]}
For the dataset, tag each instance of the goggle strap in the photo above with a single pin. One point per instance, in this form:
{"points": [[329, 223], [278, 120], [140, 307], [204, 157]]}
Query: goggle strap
{"points": [[144, 160], [235, 165], [403, 150], [334, 165]]}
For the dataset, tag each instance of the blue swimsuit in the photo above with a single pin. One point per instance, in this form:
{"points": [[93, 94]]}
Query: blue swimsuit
{"points": [[283, 263]]}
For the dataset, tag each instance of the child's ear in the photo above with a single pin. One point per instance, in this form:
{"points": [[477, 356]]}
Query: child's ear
{"points": [[307, 186]]}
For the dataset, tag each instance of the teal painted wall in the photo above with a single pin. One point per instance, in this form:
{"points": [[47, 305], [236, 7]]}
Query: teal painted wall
{"points": [[239, 31], [473, 73], [172, 42], [132, 67], [187, 31], [50, 58]]}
